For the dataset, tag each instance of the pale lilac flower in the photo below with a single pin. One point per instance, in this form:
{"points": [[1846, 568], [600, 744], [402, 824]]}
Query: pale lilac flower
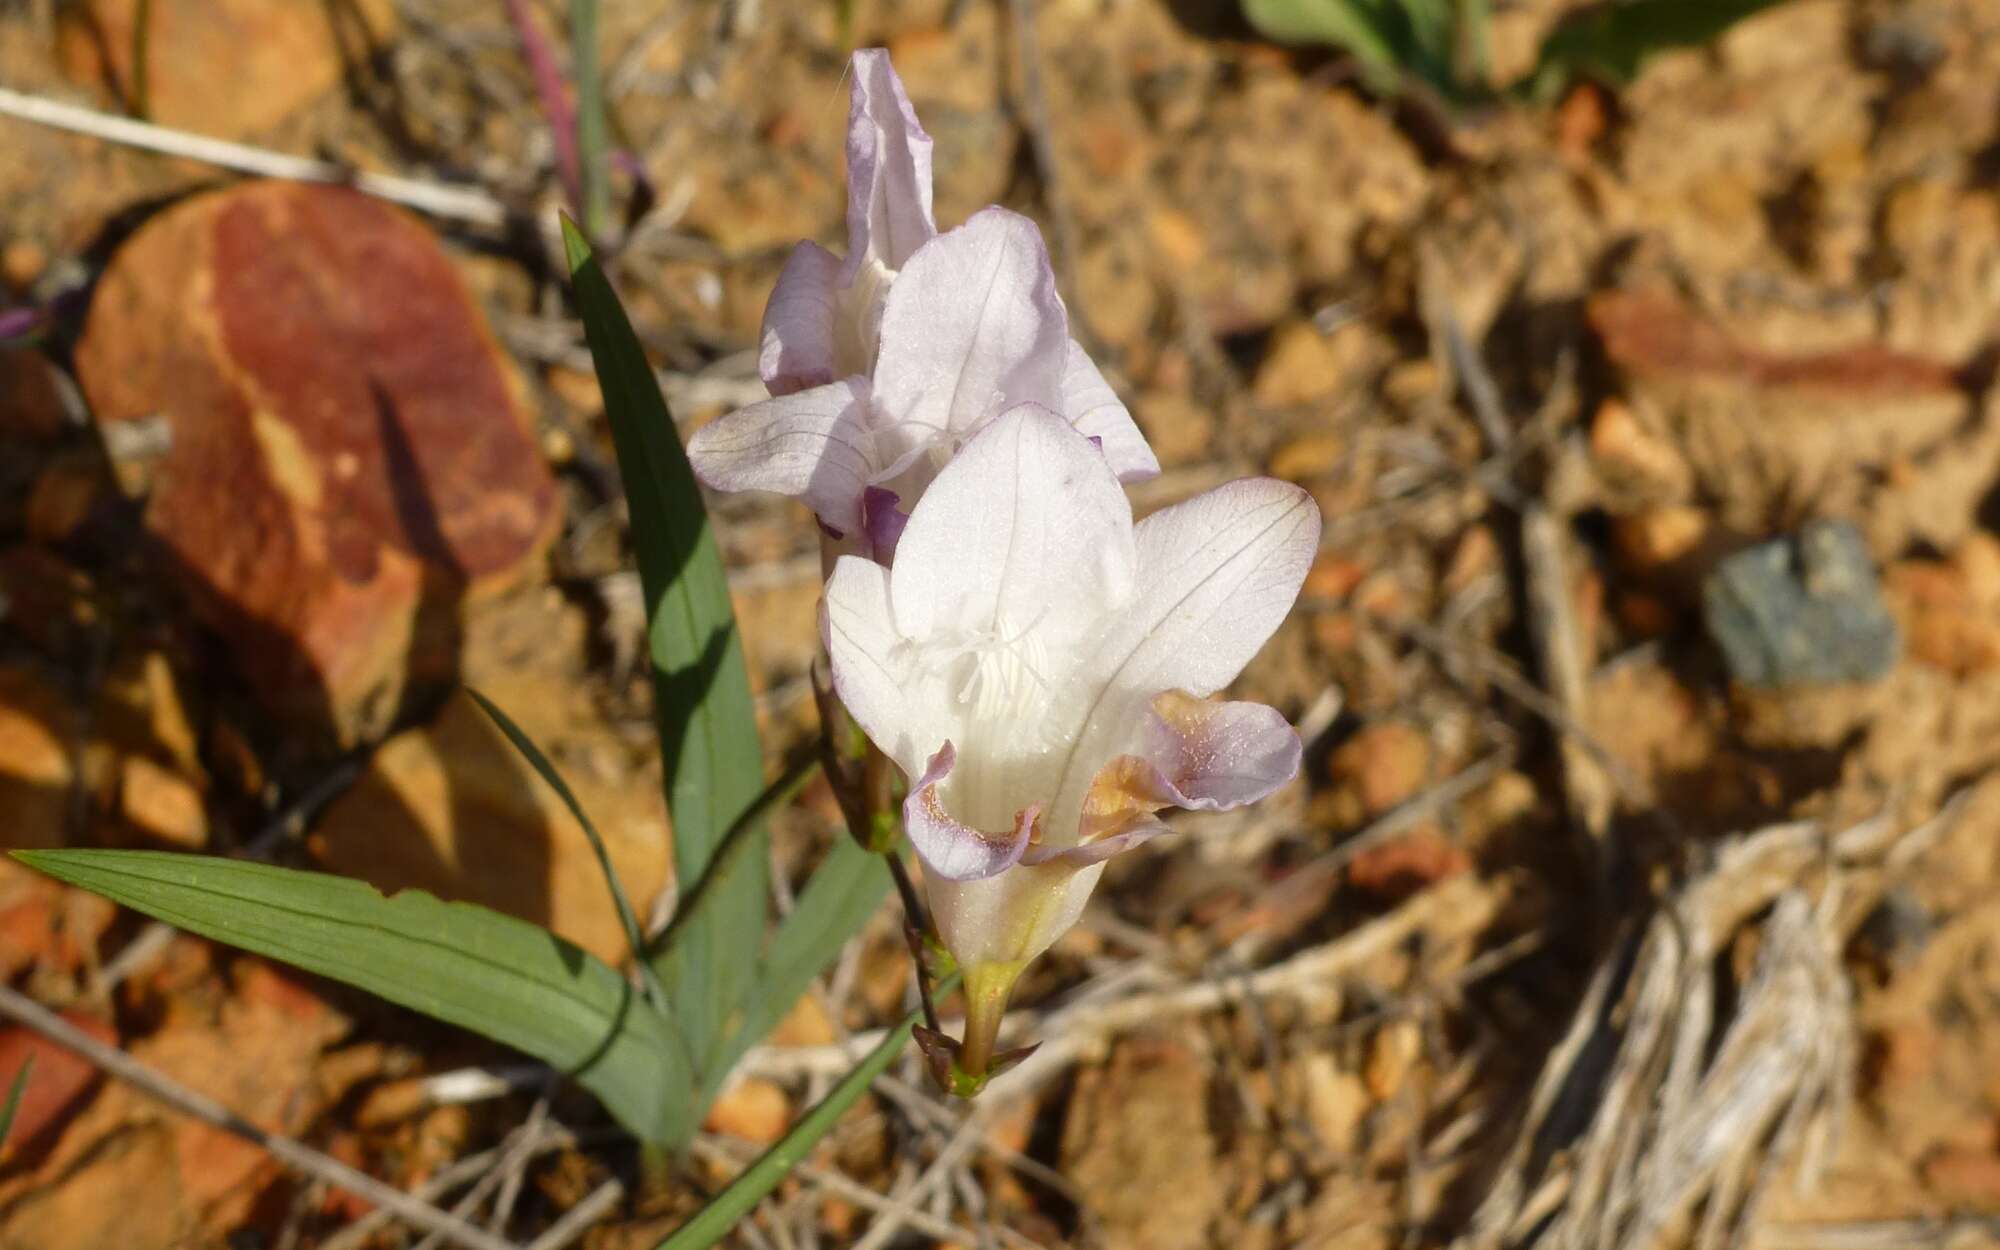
{"points": [[822, 321], [1038, 666], [880, 364], [971, 326]]}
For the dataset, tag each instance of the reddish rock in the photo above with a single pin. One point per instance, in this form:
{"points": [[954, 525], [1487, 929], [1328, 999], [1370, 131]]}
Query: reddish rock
{"points": [[58, 1086], [1400, 868], [349, 451]]}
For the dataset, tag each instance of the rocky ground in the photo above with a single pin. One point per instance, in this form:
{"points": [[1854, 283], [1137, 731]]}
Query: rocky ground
{"points": [[1643, 888]]}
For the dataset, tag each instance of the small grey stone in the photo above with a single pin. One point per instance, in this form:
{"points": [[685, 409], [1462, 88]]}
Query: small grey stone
{"points": [[1803, 610]]}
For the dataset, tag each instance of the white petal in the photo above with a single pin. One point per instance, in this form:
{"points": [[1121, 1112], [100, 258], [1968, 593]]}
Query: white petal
{"points": [[888, 168], [795, 348], [1013, 917], [1026, 530], [971, 327], [949, 847], [869, 673], [1217, 574], [813, 445], [1094, 409]]}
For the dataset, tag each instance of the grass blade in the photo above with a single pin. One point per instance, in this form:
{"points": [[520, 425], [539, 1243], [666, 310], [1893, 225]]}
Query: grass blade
{"points": [[843, 893], [15, 1092], [635, 940], [713, 1222], [500, 977], [707, 724], [593, 138]]}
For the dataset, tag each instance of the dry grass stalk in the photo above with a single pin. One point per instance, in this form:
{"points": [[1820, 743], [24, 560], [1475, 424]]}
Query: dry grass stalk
{"points": [[1660, 1117]]}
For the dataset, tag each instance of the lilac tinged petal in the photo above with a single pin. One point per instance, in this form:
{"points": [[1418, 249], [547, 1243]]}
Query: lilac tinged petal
{"points": [[972, 326], [949, 848], [1093, 408], [1026, 528], [1144, 830], [888, 168], [795, 349], [1213, 756], [1217, 574], [812, 445], [882, 522]]}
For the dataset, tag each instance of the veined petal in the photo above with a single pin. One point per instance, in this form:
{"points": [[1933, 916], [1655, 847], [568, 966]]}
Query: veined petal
{"points": [[812, 445], [888, 168], [795, 347], [1094, 409], [1217, 574], [1024, 531], [1195, 754], [869, 671], [971, 326], [950, 848], [1096, 851]]}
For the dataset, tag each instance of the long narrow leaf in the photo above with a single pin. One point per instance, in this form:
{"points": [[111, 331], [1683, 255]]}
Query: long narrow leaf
{"points": [[635, 940], [713, 1222], [500, 977], [593, 137], [15, 1092], [707, 724], [844, 892]]}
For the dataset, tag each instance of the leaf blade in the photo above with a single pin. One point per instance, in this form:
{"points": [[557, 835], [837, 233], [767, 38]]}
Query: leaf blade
{"points": [[713, 1222], [703, 709], [503, 978]]}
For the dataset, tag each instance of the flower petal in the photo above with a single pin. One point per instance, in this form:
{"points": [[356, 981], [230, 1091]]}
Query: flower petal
{"points": [[1096, 851], [1217, 574], [950, 848], [1025, 529], [971, 327], [864, 650], [882, 522], [813, 445], [1012, 917], [1094, 409], [888, 168], [1194, 754], [795, 347]]}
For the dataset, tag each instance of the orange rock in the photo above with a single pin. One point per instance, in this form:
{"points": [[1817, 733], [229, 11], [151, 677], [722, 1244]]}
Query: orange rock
{"points": [[1962, 1176], [1400, 868], [22, 262], [1300, 367], [38, 727], [1633, 459], [61, 1082], [1333, 577], [1176, 236], [1659, 536], [162, 804], [452, 808], [1384, 763], [753, 1109], [222, 67], [1304, 458], [350, 453]]}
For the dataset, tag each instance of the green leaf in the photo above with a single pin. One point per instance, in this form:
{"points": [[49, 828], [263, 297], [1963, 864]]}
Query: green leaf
{"points": [[1612, 41], [707, 725], [634, 939], [593, 139], [500, 977], [713, 1222], [843, 893], [1362, 27], [14, 1093]]}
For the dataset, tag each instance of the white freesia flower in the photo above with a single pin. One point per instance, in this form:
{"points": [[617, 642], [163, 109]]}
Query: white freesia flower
{"points": [[882, 365], [1038, 666]]}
